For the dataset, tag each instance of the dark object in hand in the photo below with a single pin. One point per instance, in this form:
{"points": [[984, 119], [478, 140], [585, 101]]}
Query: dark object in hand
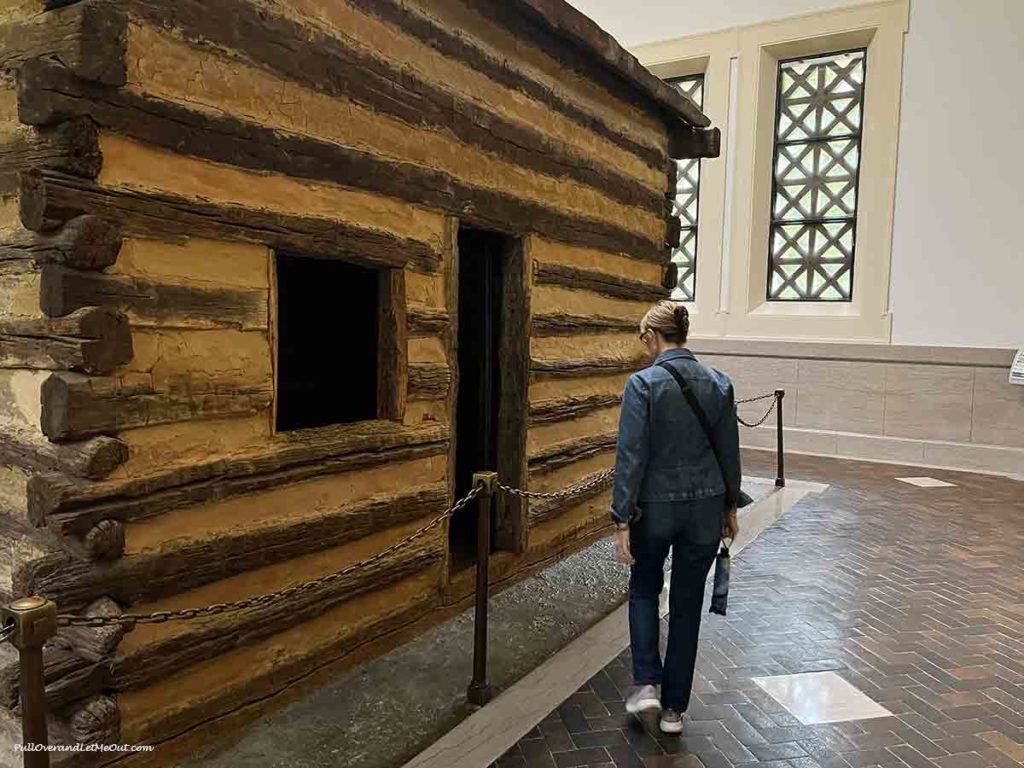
{"points": [[720, 594]]}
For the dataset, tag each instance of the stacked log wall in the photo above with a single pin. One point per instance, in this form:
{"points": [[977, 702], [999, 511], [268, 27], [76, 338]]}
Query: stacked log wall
{"points": [[153, 157]]}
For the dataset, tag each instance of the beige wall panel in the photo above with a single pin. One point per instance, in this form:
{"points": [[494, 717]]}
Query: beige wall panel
{"points": [[841, 396], [637, 123], [419, 412], [550, 252], [178, 360], [552, 389], [623, 346], [288, 504], [547, 299], [427, 349], [265, 580], [170, 446], [928, 401], [596, 423], [425, 290], [753, 376], [566, 476], [19, 289], [340, 19], [197, 262], [998, 416], [144, 711], [187, 75], [132, 165]]}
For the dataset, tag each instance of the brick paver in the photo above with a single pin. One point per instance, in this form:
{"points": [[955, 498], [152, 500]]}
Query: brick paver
{"points": [[916, 596]]}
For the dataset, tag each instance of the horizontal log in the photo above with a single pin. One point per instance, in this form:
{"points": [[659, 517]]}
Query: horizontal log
{"points": [[49, 198], [48, 93], [162, 659], [571, 451], [592, 52], [90, 340], [68, 677], [425, 321], [544, 510], [685, 143], [73, 507], [615, 286], [70, 147], [88, 37], [85, 242], [135, 579], [22, 544], [565, 408], [94, 643], [429, 381], [334, 66], [94, 458], [596, 366], [561, 324], [65, 290], [76, 406]]}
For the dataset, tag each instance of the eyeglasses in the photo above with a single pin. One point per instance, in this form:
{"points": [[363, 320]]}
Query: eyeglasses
{"points": [[645, 334]]}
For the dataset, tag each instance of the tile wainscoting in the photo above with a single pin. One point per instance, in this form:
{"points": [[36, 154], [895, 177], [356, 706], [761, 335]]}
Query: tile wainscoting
{"points": [[931, 406]]}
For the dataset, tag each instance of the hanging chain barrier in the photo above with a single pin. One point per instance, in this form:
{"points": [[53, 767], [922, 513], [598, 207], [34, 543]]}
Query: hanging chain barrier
{"points": [[129, 620], [597, 481], [763, 419], [7, 631]]}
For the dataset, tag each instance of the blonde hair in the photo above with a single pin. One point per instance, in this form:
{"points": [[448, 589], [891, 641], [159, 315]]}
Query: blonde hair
{"points": [[669, 318]]}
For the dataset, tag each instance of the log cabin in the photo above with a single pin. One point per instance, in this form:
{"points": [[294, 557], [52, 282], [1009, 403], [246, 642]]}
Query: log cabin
{"points": [[276, 281]]}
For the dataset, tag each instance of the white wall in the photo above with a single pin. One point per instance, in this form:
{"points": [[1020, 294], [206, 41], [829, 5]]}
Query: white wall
{"points": [[958, 245]]}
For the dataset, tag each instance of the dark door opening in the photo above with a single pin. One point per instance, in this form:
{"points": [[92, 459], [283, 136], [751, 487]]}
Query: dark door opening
{"points": [[481, 276]]}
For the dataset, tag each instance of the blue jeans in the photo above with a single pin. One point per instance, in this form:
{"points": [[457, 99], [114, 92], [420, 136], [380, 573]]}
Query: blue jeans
{"points": [[692, 530]]}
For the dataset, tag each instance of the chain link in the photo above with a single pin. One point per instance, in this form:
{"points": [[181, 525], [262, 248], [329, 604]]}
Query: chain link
{"points": [[756, 399], [7, 631], [762, 420], [129, 620], [597, 481]]}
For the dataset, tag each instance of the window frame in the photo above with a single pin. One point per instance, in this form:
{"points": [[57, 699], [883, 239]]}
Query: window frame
{"points": [[392, 347], [858, 139], [743, 106]]}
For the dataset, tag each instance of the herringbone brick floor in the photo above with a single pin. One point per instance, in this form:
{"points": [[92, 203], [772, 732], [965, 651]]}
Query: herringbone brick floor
{"points": [[915, 596]]}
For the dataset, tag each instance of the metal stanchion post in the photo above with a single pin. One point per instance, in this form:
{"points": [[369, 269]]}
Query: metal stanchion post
{"points": [[780, 475], [479, 692], [35, 622]]}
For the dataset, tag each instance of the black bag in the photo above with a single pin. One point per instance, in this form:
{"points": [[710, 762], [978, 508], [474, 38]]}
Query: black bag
{"points": [[723, 563], [720, 592]]}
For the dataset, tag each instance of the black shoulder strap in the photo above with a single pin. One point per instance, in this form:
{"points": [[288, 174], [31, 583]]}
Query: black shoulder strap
{"points": [[702, 417]]}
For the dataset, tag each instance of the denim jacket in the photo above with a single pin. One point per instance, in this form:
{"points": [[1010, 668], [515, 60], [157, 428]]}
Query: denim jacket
{"points": [[663, 454]]}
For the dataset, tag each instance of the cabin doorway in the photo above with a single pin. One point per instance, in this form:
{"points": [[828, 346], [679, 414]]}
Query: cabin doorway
{"points": [[491, 398]]}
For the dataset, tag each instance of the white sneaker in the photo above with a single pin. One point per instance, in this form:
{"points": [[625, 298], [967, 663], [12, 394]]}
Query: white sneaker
{"points": [[671, 721], [644, 698]]}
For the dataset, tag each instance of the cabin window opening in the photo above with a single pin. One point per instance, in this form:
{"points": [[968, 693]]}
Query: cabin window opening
{"points": [[818, 125], [686, 202], [327, 340]]}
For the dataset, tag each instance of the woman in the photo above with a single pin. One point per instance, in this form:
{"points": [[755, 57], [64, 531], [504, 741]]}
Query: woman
{"points": [[671, 493]]}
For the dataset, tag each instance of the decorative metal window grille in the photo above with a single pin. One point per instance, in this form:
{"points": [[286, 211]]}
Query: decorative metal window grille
{"points": [[819, 114], [686, 202]]}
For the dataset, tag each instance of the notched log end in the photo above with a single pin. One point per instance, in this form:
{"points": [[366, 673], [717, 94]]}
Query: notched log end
{"points": [[670, 279], [687, 143], [105, 540], [56, 406], [89, 242], [110, 340], [95, 720]]}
